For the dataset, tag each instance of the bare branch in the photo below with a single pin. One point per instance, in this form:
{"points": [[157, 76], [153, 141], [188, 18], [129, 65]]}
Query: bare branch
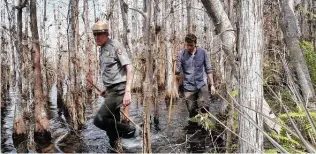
{"points": [[139, 11]]}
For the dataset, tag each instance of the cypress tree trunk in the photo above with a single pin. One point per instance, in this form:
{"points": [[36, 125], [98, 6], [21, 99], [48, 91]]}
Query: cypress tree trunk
{"points": [[250, 45], [41, 122], [148, 89], [291, 36]]}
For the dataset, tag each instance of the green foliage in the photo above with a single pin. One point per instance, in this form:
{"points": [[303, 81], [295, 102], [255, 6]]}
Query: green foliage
{"points": [[293, 150], [235, 119], [310, 58], [271, 151], [287, 99], [285, 140], [300, 116], [204, 119], [292, 145], [307, 12], [235, 92], [297, 115]]}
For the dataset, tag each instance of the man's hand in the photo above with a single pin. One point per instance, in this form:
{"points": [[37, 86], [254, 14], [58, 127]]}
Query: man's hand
{"points": [[212, 89], [102, 93], [127, 99]]}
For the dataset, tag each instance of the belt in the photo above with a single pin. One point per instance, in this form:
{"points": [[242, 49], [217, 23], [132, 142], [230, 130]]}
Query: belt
{"points": [[114, 85]]}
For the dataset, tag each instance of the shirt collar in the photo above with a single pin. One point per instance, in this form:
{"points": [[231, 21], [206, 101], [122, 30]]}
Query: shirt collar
{"points": [[194, 53]]}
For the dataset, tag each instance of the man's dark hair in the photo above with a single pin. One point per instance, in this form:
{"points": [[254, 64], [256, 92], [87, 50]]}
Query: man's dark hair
{"points": [[190, 38]]}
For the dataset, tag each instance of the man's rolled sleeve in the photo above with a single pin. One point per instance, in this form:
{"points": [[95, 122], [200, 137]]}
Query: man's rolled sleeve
{"points": [[208, 66]]}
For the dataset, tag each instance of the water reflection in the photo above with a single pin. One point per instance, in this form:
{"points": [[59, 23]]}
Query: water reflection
{"points": [[164, 137]]}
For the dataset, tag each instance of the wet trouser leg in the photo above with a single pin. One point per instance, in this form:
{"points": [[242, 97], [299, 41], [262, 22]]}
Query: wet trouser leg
{"points": [[204, 99], [196, 100], [108, 117], [190, 100]]}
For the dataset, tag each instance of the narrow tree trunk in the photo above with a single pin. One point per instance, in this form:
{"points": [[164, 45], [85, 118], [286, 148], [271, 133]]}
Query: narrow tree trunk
{"points": [[89, 69], [305, 18], [157, 60], [74, 101], [231, 8], [2, 65], [229, 72], [124, 9], [110, 18], [313, 25], [29, 83], [291, 35], [171, 84], [189, 22], [71, 92], [19, 44], [41, 122], [46, 80], [59, 73], [11, 18], [81, 95], [148, 96], [160, 45], [250, 45], [19, 127], [224, 27]]}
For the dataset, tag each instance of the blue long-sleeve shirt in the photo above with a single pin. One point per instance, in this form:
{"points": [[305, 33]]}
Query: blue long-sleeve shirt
{"points": [[193, 66]]}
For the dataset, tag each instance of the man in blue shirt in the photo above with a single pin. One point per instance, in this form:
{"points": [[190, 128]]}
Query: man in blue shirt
{"points": [[194, 63]]}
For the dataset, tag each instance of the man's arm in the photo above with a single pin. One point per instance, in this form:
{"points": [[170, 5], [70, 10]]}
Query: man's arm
{"points": [[210, 78], [208, 70], [129, 77]]}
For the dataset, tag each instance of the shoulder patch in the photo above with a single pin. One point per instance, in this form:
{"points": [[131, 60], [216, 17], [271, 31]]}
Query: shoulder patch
{"points": [[118, 51], [115, 46]]}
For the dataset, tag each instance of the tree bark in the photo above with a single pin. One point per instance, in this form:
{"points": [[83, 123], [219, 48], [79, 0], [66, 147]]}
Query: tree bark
{"points": [[224, 27], [148, 89], [46, 79], [19, 127], [250, 45], [313, 25], [41, 121], [291, 36], [71, 92], [229, 71], [74, 101], [124, 9], [2, 65], [88, 48], [171, 84], [189, 22], [231, 8], [60, 75]]}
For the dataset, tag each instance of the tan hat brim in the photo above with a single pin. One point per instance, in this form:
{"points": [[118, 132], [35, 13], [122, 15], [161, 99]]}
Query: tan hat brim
{"points": [[99, 31]]}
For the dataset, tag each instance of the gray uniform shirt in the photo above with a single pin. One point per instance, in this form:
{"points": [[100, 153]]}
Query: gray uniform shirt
{"points": [[194, 66], [113, 58]]}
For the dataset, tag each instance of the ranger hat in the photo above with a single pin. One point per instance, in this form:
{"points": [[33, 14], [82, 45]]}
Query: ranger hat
{"points": [[100, 27]]}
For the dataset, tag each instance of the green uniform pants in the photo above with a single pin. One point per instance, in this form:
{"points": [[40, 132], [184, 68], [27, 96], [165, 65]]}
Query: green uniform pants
{"points": [[108, 117]]}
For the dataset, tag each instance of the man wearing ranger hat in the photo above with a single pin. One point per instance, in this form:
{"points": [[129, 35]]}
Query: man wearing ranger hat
{"points": [[117, 76]]}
